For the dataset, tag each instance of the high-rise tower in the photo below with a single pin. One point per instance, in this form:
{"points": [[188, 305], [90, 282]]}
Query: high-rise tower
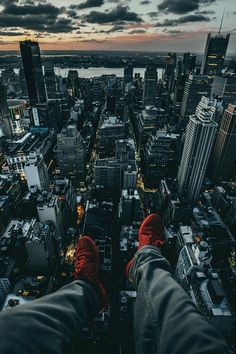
{"points": [[150, 93], [224, 153], [214, 55], [32, 64], [196, 86], [5, 121], [71, 155], [200, 135]]}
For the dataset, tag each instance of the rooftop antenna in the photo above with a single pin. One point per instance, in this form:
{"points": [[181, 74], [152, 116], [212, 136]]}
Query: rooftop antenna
{"points": [[221, 22]]}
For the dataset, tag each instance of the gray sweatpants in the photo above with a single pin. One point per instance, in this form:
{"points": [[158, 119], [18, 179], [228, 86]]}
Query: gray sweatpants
{"points": [[165, 319]]}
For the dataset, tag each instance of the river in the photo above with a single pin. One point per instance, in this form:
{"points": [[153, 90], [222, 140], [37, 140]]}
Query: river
{"points": [[94, 71]]}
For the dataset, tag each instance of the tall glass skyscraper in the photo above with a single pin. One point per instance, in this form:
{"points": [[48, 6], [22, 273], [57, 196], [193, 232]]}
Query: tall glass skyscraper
{"points": [[196, 86], [214, 56], [200, 136], [224, 153], [32, 64]]}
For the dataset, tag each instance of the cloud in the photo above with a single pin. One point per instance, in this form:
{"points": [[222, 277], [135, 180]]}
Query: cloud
{"points": [[28, 9], [145, 2], [137, 31], [205, 12], [87, 4], [120, 13], [153, 14], [11, 34], [40, 17], [182, 6], [182, 20]]}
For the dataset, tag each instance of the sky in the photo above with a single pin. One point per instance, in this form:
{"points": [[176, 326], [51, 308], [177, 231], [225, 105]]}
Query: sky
{"points": [[137, 25]]}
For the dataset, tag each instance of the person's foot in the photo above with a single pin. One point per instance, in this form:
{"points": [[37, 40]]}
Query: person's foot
{"points": [[87, 266], [151, 232]]}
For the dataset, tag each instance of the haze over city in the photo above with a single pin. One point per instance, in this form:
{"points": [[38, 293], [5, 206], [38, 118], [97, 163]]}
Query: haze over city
{"points": [[142, 25]]}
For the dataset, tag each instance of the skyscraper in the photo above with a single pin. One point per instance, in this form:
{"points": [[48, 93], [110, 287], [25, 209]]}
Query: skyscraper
{"points": [[50, 79], [200, 135], [196, 86], [36, 172], [150, 93], [224, 153], [70, 154], [225, 87], [32, 64], [189, 62], [128, 73], [160, 156], [5, 121], [214, 55]]}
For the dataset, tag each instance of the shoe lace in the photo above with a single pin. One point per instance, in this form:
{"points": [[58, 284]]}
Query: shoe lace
{"points": [[80, 261]]}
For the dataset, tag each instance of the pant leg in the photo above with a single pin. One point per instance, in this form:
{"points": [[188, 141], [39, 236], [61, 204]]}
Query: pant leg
{"points": [[46, 325], [166, 321]]}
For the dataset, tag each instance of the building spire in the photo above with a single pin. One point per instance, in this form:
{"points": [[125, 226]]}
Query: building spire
{"points": [[221, 21]]}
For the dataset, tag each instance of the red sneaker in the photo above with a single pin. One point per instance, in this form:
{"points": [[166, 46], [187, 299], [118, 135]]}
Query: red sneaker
{"points": [[87, 266], [151, 232]]}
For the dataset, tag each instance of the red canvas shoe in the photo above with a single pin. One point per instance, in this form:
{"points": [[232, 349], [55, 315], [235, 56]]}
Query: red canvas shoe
{"points": [[87, 266], [151, 232]]}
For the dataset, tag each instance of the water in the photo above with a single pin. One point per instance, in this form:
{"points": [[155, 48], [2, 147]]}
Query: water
{"points": [[94, 71]]}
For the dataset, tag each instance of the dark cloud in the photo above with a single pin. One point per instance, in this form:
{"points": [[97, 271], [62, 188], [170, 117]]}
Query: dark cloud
{"points": [[182, 6], [28, 9], [120, 13], [40, 17], [205, 12], [87, 4], [137, 31], [8, 33], [92, 40], [153, 14], [72, 14], [145, 2], [116, 28], [182, 20]]}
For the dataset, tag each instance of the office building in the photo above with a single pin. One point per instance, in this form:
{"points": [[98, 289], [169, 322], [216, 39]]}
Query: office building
{"points": [[224, 153], [32, 64], [111, 129], [128, 73], [4, 289], [49, 209], [17, 111], [73, 83], [42, 250], [129, 207], [189, 63], [50, 79], [225, 87], [148, 122], [71, 155], [36, 172], [214, 55], [196, 86], [161, 156], [200, 136], [150, 90], [5, 121]]}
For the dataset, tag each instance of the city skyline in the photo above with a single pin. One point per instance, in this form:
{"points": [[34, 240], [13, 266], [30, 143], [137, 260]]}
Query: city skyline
{"points": [[110, 25]]}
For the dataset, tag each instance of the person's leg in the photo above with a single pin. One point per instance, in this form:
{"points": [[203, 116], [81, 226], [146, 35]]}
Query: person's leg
{"points": [[166, 321], [47, 325]]}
